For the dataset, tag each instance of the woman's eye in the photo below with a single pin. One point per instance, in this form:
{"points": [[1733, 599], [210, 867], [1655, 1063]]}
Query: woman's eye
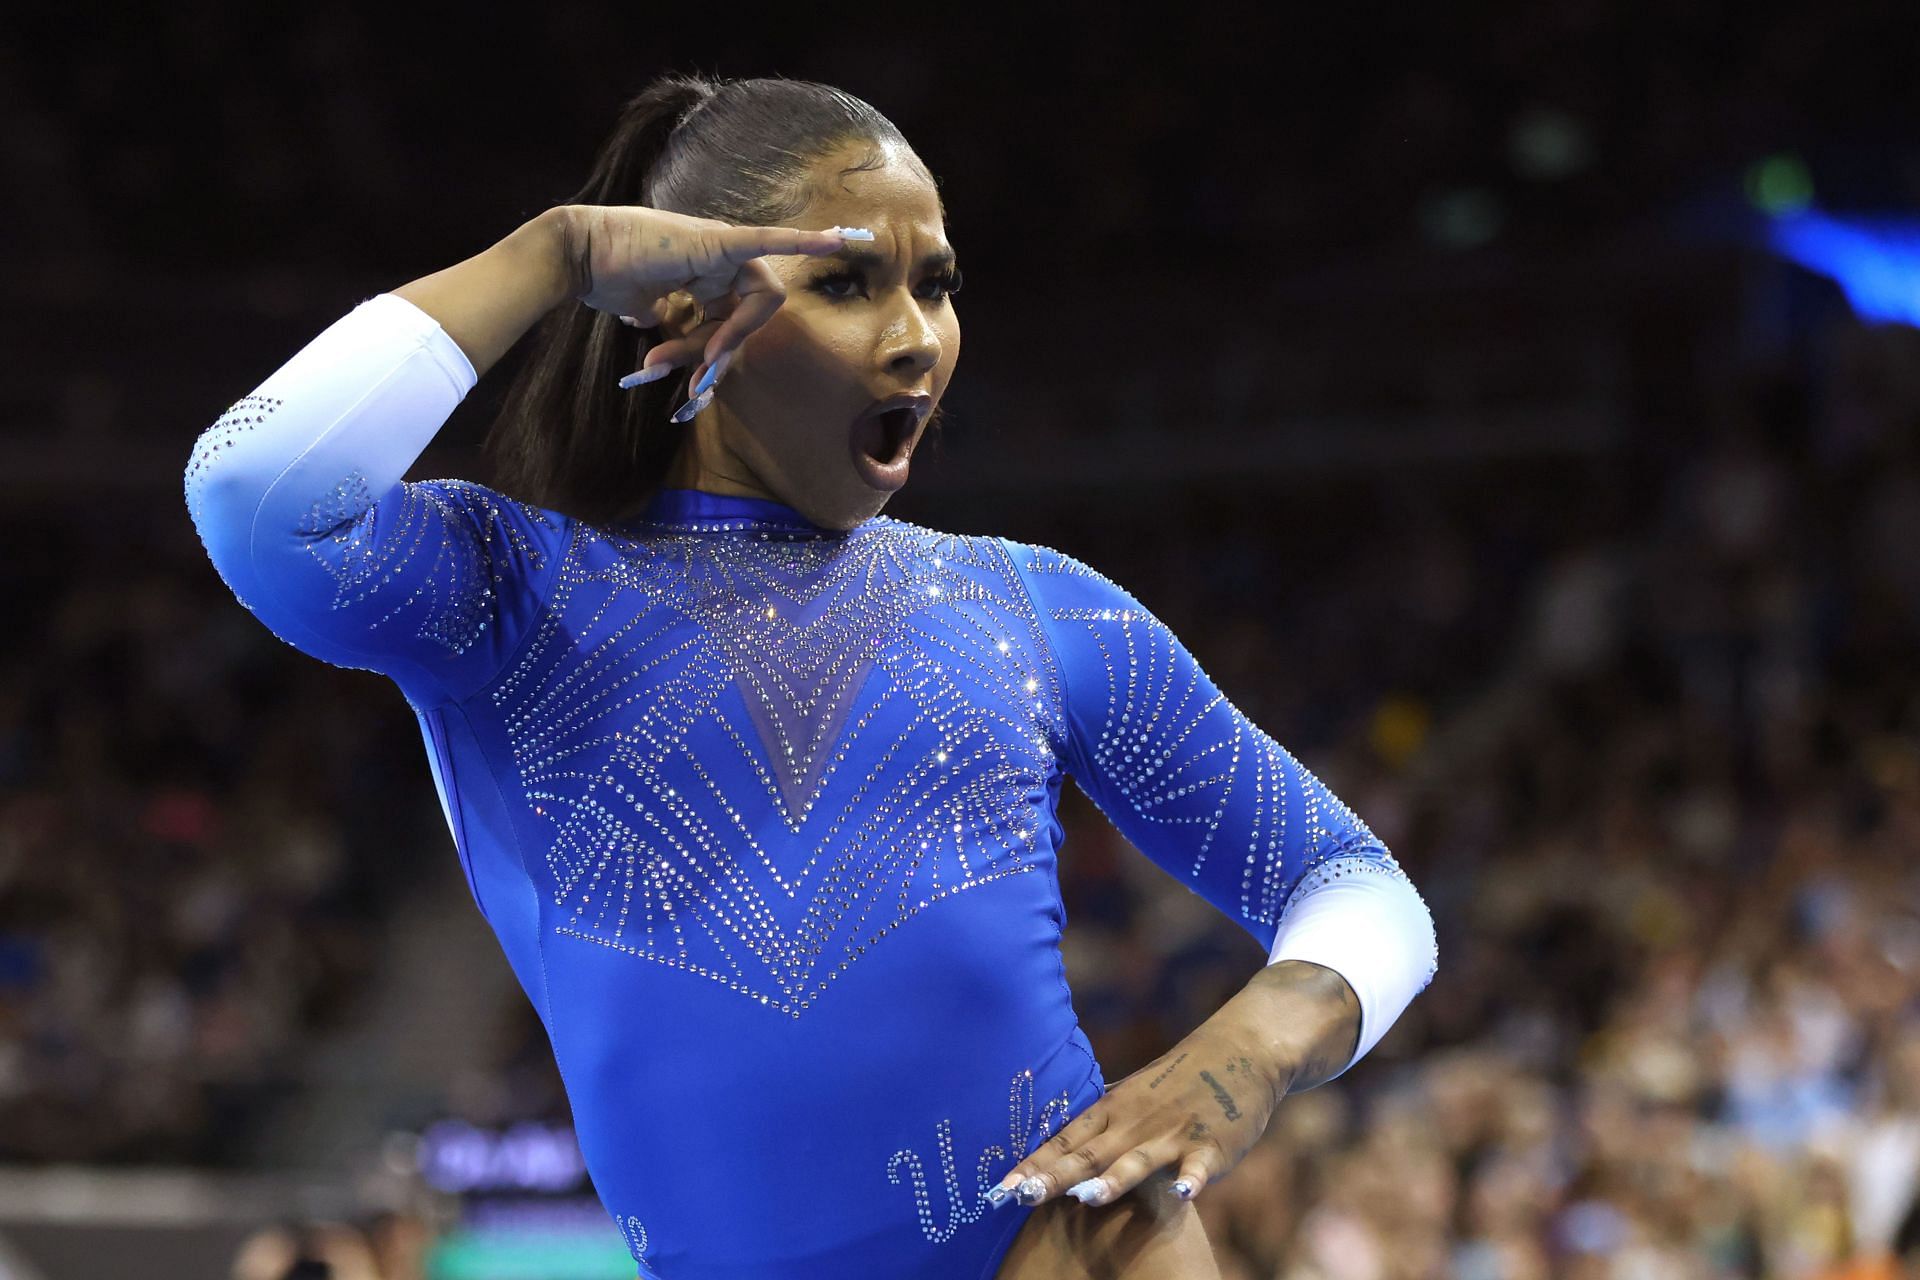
{"points": [[947, 285], [826, 284]]}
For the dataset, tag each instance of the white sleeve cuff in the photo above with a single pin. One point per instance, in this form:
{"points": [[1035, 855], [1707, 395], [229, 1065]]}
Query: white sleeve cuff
{"points": [[1363, 919], [405, 320]]}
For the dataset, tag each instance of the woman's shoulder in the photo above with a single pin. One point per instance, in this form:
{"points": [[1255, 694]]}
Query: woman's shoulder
{"points": [[503, 528], [1030, 557], [1031, 570], [487, 504], [944, 544]]}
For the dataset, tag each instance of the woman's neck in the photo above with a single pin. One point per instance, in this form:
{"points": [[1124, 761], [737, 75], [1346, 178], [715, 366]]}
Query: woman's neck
{"points": [[701, 464], [685, 472]]}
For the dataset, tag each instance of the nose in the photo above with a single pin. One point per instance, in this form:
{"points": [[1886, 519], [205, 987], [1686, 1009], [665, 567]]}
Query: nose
{"points": [[911, 345]]}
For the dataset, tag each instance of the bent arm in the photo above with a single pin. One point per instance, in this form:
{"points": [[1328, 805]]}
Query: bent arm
{"points": [[297, 490], [1213, 799], [487, 302]]}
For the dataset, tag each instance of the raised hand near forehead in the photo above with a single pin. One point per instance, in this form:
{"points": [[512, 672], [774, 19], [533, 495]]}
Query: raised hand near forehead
{"points": [[629, 261]]}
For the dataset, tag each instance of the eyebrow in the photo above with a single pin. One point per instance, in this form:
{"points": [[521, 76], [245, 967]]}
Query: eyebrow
{"points": [[871, 258]]}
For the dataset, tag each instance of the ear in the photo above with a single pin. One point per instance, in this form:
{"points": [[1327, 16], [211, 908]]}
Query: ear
{"points": [[677, 315]]}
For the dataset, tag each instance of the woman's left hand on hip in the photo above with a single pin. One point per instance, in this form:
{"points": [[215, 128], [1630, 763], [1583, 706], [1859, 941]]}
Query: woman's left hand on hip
{"points": [[1199, 1107]]}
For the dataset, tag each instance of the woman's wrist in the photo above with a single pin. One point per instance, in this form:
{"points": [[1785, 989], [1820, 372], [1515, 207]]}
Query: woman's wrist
{"points": [[1305, 1017], [488, 301], [546, 241]]}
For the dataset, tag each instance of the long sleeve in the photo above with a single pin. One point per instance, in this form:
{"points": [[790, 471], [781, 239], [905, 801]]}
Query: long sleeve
{"points": [[297, 495], [1215, 801]]}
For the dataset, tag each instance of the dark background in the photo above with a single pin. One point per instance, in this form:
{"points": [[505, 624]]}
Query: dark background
{"points": [[1425, 371]]}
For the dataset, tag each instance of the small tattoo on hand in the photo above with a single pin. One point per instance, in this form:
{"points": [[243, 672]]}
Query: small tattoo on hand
{"points": [[1221, 1096], [1165, 1072]]}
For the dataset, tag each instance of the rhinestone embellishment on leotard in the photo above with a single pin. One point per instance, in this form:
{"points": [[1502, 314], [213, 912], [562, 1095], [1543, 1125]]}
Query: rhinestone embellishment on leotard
{"points": [[1177, 752], [455, 601], [633, 1233], [243, 416], [964, 1207], [681, 718]]}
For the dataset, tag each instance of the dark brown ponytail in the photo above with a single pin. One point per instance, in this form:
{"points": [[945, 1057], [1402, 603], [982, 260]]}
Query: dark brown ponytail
{"points": [[568, 438]]}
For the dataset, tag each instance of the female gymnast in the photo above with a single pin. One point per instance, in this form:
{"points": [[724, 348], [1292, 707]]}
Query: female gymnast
{"points": [[757, 786]]}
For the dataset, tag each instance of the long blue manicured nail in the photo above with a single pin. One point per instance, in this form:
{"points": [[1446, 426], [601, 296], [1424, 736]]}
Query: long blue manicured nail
{"points": [[850, 233], [999, 1196], [711, 376], [638, 376], [693, 406], [1092, 1191]]}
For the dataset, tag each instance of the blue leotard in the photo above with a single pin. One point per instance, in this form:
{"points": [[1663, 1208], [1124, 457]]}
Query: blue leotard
{"points": [[763, 814]]}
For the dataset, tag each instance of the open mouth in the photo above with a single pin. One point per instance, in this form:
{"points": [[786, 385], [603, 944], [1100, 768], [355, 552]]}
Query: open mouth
{"points": [[896, 428], [882, 444]]}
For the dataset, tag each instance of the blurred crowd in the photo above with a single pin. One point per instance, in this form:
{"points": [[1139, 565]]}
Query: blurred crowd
{"points": [[1539, 121], [1670, 841], [1643, 724], [196, 835]]}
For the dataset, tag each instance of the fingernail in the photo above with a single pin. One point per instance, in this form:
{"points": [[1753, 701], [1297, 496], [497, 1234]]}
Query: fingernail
{"points": [[1092, 1191], [651, 374], [1183, 1188], [693, 406], [629, 320], [999, 1196], [712, 375], [850, 233], [1030, 1191]]}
